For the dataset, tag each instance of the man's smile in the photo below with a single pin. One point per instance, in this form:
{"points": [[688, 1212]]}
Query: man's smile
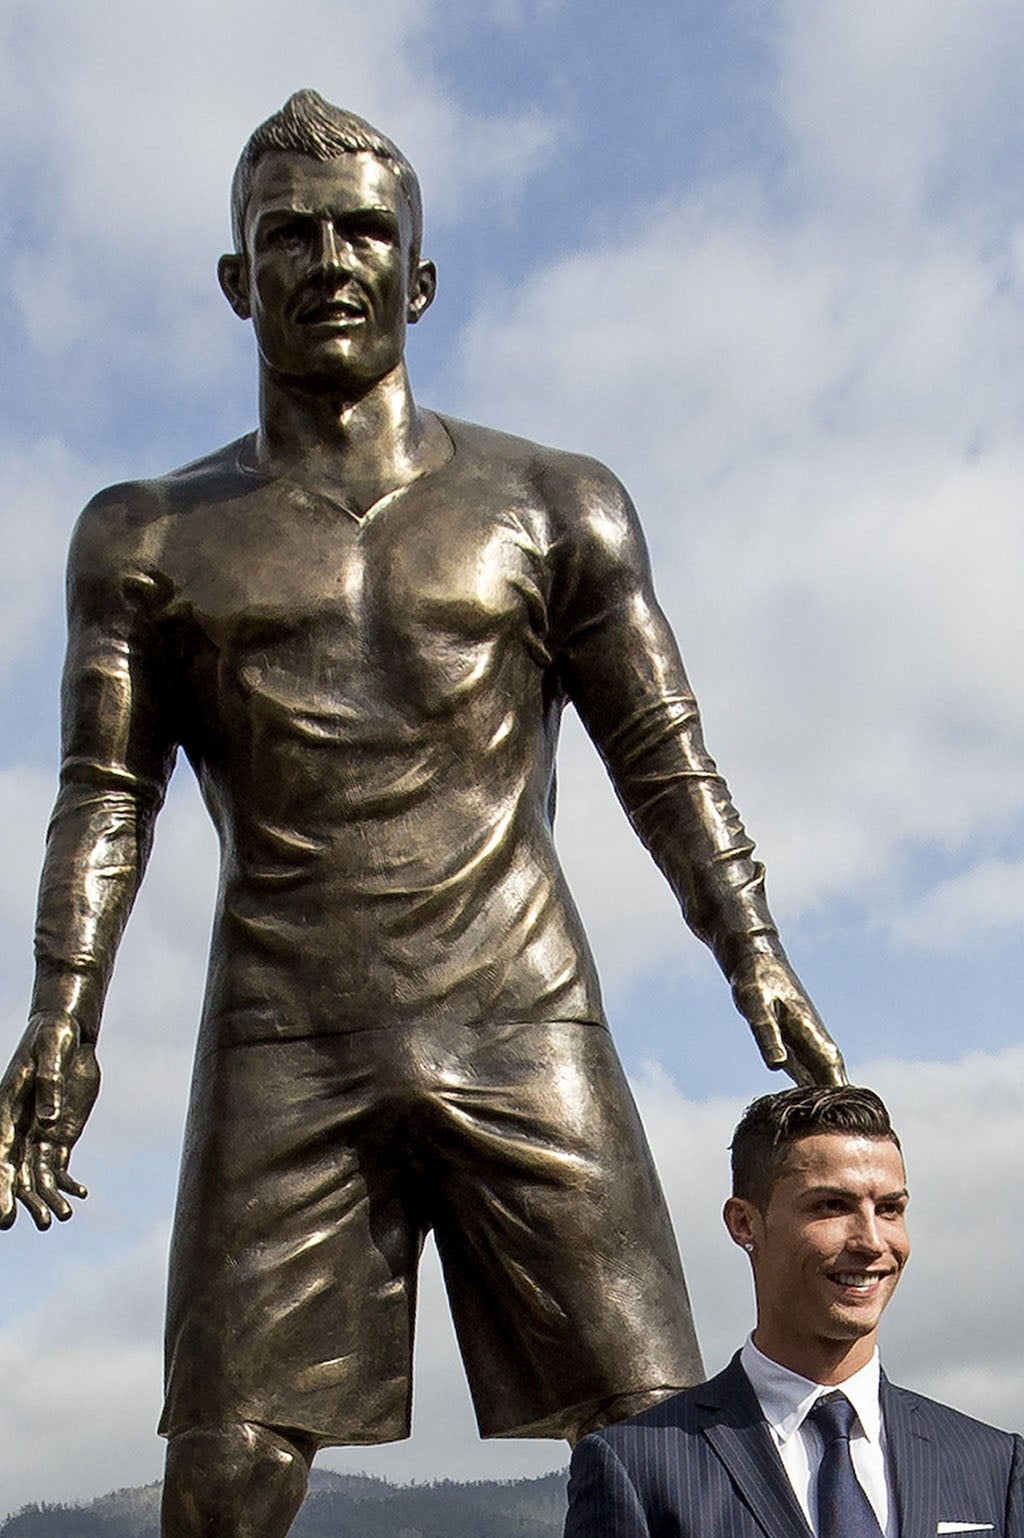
{"points": [[863, 1282]]}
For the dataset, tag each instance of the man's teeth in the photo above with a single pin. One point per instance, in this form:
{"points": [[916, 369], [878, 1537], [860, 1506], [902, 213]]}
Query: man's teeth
{"points": [[860, 1279]]}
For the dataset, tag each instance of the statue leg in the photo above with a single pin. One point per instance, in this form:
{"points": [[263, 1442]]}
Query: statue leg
{"points": [[236, 1481]]}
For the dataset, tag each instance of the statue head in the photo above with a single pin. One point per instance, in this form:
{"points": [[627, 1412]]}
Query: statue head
{"points": [[327, 222], [309, 125]]}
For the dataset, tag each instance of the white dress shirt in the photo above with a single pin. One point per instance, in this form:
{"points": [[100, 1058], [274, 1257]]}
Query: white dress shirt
{"points": [[785, 1398]]}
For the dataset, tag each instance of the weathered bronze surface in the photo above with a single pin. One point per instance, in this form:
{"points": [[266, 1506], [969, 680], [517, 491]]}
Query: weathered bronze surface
{"points": [[362, 623]]}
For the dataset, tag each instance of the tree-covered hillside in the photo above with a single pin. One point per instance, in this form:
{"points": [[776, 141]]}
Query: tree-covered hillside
{"points": [[337, 1506]]}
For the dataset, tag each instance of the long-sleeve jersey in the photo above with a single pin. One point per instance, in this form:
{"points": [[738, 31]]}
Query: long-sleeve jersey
{"points": [[371, 705]]}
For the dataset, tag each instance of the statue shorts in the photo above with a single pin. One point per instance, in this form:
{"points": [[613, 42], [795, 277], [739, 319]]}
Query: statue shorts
{"points": [[314, 1169]]}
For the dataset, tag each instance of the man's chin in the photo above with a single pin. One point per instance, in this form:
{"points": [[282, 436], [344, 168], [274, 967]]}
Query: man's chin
{"points": [[848, 1323]]}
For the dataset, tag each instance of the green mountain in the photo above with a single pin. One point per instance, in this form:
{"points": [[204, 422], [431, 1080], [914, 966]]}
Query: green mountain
{"points": [[337, 1506]]}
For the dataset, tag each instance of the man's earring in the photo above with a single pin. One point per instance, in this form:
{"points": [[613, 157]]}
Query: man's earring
{"points": [[749, 1248]]}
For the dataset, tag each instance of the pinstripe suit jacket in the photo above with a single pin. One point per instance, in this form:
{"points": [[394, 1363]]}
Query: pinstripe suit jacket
{"points": [[703, 1465]]}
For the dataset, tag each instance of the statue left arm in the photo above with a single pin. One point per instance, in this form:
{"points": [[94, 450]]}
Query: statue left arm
{"points": [[118, 751], [622, 669]]}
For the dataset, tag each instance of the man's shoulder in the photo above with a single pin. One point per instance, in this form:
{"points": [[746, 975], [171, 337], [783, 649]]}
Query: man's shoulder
{"points": [[725, 1397], [941, 1422]]}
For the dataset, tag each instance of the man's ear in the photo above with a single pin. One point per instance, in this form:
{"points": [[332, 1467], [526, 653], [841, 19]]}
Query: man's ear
{"points": [[421, 291], [743, 1221], [234, 282]]}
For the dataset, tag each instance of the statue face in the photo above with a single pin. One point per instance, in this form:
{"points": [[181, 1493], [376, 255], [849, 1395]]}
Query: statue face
{"points": [[327, 278]]}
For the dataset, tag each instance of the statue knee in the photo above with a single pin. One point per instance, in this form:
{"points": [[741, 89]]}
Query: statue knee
{"points": [[234, 1481]]}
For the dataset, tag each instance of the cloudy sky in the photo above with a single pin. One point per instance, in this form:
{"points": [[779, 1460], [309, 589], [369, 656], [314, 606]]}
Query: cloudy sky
{"points": [[764, 257]]}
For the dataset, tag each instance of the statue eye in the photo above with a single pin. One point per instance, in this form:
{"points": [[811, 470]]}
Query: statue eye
{"points": [[369, 229], [289, 236]]}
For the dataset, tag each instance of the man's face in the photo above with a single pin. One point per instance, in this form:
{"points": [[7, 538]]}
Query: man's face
{"points": [[327, 275], [828, 1252]]}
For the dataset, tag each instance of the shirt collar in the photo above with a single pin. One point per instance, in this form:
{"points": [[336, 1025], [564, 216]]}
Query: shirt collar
{"points": [[785, 1397]]}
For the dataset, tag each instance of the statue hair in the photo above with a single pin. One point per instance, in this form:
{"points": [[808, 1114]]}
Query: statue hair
{"points": [[309, 125]]}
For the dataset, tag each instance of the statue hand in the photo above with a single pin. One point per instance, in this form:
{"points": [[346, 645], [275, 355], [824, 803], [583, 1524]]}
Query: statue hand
{"points": [[46, 1095], [786, 1025]]}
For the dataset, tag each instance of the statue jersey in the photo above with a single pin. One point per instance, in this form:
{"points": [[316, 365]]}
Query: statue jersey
{"points": [[371, 705]]}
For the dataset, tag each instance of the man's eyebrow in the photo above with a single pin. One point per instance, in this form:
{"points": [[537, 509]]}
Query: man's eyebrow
{"points": [[902, 1194]]}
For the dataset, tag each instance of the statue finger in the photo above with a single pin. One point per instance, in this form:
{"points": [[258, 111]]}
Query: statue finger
{"points": [[46, 1182], [765, 1027], [798, 1071], [14, 1104], [68, 1183], [33, 1203], [819, 1061], [64, 1180], [8, 1199]]}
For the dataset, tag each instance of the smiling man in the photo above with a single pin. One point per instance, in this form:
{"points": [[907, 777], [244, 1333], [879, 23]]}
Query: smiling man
{"points": [[802, 1433], [362, 622]]}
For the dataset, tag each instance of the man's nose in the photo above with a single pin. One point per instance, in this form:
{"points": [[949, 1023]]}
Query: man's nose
{"points": [[865, 1235]]}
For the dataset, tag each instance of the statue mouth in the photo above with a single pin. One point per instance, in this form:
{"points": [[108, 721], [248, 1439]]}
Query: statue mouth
{"points": [[331, 312]]}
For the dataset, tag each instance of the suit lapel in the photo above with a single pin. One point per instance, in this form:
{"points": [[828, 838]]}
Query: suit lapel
{"points": [[913, 1464], [732, 1422]]}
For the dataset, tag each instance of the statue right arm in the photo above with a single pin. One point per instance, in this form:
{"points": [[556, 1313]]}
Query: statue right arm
{"points": [[621, 668], [118, 749]]}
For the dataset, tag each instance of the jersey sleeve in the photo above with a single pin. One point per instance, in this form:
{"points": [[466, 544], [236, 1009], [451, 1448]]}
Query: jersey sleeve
{"points": [[118, 750], [621, 667]]}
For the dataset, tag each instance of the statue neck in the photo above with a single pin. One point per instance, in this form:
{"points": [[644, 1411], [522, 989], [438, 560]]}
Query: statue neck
{"points": [[364, 447]]}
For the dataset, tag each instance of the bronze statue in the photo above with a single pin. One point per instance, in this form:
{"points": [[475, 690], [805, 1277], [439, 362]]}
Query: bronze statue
{"points": [[362, 623]]}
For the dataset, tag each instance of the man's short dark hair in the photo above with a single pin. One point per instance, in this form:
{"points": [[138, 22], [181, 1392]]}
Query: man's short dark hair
{"points": [[308, 125], [771, 1125]]}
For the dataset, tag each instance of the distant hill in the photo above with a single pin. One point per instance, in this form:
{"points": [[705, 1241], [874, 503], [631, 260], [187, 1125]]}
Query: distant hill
{"points": [[337, 1506]]}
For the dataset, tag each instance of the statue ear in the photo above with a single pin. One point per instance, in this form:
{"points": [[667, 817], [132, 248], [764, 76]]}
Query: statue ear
{"points": [[422, 290], [234, 282]]}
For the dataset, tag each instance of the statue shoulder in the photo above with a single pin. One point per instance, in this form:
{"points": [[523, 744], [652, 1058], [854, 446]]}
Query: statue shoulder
{"points": [[126, 523], [566, 483]]}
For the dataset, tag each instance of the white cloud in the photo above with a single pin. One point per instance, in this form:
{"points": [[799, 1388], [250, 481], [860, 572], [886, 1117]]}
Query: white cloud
{"points": [[82, 1380], [25, 799], [953, 1331], [968, 908], [42, 486], [885, 97]]}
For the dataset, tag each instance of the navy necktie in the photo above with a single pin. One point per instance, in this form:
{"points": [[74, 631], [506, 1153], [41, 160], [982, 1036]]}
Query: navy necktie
{"points": [[844, 1511]]}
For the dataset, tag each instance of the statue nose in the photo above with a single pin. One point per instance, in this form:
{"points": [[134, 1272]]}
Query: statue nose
{"points": [[332, 248]]}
